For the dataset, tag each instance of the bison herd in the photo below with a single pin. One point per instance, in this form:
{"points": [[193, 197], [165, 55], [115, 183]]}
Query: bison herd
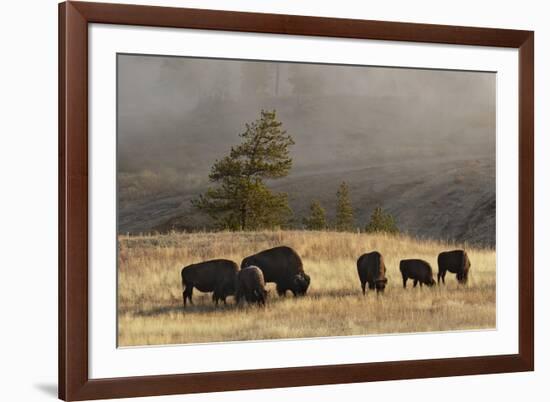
{"points": [[283, 266]]}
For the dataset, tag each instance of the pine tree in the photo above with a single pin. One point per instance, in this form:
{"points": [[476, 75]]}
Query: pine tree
{"points": [[241, 200], [317, 219], [381, 222], [345, 221]]}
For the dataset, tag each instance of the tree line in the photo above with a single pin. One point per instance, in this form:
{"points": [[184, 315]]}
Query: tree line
{"points": [[241, 200], [380, 221]]}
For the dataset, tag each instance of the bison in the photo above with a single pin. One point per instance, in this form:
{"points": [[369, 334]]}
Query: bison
{"points": [[251, 285], [218, 276], [371, 270], [283, 266], [456, 262], [418, 271]]}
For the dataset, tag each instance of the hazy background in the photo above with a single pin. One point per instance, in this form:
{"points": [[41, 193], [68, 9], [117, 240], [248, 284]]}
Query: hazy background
{"points": [[419, 143]]}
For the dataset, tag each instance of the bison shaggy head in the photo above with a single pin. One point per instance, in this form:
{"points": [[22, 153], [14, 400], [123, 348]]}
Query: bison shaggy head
{"points": [[462, 277], [381, 284], [300, 284]]}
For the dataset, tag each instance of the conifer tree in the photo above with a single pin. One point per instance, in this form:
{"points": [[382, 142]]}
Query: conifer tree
{"points": [[317, 219], [241, 200], [381, 222], [345, 221]]}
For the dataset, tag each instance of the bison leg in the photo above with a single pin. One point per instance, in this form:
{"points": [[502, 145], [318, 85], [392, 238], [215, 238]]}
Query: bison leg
{"points": [[441, 275], [215, 298], [238, 297], [404, 282], [363, 287], [259, 296], [250, 297], [218, 295], [187, 294], [281, 291], [415, 283]]}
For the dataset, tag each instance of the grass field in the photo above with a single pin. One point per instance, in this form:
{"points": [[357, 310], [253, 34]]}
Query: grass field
{"points": [[150, 294]]}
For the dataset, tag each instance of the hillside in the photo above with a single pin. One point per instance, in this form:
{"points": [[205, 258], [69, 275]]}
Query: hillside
{"points": [[437, 198], [420, 144]]}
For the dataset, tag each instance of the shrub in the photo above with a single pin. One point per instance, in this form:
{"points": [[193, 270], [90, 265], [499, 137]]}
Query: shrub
{"points": [[381, 222]]}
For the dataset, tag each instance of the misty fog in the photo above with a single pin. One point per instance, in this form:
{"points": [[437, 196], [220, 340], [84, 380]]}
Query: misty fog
{"points": [[180, 112]]}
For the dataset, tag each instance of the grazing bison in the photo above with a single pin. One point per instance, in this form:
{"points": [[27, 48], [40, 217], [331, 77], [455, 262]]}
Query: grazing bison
{"points": [[218, 276], [283, 266], [418, 271], [371, 270], [251, 285], [456, 262]]}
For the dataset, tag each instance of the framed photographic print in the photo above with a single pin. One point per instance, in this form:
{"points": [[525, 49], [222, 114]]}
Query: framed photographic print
{"points": [[259, 200]]}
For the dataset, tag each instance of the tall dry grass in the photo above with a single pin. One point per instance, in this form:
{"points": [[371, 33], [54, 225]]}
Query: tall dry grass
{"points": [[150, 295]]}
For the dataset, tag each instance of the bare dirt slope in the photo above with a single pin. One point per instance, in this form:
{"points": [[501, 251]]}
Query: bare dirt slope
{"points": [[438, 198]]}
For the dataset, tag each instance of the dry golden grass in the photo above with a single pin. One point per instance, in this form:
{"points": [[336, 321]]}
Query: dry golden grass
{"points": [[150, 295]]}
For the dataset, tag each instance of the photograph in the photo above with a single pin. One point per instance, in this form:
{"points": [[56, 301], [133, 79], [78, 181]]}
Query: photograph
{"points": [[267, 200]]}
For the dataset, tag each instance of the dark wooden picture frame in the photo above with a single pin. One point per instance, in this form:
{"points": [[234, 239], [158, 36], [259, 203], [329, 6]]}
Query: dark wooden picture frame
{"points": [[74, 381]]}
